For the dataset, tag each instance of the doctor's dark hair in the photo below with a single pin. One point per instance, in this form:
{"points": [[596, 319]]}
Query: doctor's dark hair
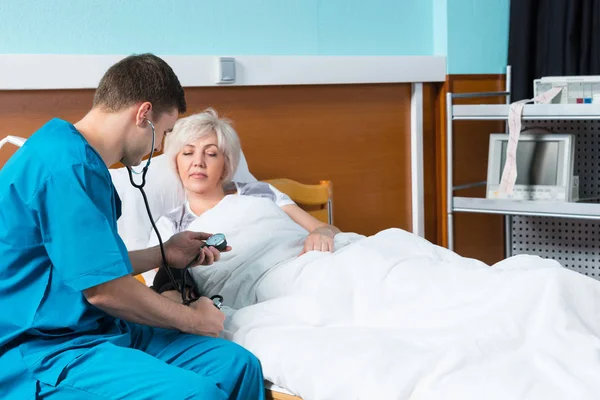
{"points": [[140, 78]]}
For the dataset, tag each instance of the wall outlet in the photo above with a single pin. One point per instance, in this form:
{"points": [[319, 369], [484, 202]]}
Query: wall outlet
{"points": [[226, 70]]}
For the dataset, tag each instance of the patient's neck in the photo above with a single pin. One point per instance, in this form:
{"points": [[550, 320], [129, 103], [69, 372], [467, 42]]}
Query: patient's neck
{"points": [[202, 202]]}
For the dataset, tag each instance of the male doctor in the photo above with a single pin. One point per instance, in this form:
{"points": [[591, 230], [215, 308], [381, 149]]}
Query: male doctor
{"points": [[74, 322]]}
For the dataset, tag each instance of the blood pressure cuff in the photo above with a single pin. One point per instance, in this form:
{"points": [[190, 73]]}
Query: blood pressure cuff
{"points": [[162, 283]]}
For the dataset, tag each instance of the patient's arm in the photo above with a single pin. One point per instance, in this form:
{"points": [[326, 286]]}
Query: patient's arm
{"points": [[306, 220], [321, 234], [172, 295], [162, 284]]}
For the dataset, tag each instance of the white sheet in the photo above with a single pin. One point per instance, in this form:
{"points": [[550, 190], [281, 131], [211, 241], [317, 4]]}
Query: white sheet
{"points": [[392, 316]]}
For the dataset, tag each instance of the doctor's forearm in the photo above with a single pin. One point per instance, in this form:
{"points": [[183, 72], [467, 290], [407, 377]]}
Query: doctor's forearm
{"points": [[145, 260], [131, 300]]}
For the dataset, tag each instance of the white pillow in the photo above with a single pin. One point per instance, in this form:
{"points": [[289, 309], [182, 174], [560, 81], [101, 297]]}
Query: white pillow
{"points": [[164, 192]]}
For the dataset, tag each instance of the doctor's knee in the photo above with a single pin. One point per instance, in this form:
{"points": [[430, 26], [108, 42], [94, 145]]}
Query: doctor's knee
{"points": [[243, 360]]}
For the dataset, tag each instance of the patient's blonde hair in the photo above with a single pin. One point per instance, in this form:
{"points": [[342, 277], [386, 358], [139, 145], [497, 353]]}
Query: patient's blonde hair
{"points": [[197, 126]]}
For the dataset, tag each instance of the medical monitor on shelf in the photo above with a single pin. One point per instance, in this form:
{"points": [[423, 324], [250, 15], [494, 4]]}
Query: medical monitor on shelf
{"points": [[575, 89], [545, 166]]}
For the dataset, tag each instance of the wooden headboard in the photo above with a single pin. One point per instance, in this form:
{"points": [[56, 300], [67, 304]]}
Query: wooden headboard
{"points": [[317, 200], [357, 136]]}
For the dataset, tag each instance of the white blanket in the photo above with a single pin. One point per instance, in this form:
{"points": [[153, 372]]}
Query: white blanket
{"points": [[394, 317]]}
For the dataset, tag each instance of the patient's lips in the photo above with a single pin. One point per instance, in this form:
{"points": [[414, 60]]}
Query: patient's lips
{"points": [[198, 175]]}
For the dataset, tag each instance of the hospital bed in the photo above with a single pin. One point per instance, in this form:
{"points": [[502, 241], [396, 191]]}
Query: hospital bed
{"points": [[276, 393]]}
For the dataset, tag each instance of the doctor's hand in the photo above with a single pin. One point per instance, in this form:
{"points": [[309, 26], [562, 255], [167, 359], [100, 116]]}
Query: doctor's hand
{"points": [[320, 239], [210, 319], [184, 247]]}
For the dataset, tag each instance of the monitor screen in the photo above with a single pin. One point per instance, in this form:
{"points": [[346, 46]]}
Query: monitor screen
{"points": [[537, 162]]}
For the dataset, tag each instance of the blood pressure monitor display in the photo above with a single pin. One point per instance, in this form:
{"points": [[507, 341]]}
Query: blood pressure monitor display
{"points": [[537, 162], [544, 167]]}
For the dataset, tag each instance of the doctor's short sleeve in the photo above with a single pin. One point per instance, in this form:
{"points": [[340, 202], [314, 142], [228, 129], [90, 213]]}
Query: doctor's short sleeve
{"points": [[263, 189], [77, 212]]}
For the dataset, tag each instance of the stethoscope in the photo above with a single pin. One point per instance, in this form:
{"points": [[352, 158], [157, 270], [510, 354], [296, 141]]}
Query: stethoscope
{"points": [[145, 168], [186, 298]]}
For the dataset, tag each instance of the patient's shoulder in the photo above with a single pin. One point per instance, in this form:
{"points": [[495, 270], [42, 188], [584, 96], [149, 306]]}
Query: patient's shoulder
{"points": [[264, 190], [178, 219], [175, 221]]}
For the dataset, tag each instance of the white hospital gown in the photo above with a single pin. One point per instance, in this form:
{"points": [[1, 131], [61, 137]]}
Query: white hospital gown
{"points": [[179, 219]]}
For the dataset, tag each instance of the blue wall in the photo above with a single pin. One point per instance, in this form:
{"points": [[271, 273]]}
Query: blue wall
{"points": [[473, 34], [477, 37], [266, 27], [440, 27]]}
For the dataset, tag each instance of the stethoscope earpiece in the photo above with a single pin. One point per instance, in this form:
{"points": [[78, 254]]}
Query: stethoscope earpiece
{"points": [[145, 168], [151, 123]]}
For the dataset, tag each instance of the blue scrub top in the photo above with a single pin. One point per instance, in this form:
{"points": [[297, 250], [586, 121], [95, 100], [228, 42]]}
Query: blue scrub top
{"points": [[58, 237]]}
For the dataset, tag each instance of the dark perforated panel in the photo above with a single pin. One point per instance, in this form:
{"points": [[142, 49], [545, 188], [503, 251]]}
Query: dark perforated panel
{"points": [[573, 243]]}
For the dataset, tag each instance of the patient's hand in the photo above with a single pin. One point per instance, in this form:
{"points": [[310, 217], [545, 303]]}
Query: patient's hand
{"points": [[172, 295], [320, 239]]}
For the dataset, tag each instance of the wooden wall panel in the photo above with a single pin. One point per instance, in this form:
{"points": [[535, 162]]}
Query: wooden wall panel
{"points": [[478, 236], [358, 136], [439, 110], [432, 132], [23, 112]]}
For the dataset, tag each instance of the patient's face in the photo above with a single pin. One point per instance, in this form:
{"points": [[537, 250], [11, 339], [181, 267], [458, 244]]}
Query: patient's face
{"points": [[201, 165]]}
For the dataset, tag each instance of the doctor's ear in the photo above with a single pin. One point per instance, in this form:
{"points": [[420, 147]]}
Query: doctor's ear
{"points": [[143, 113]]}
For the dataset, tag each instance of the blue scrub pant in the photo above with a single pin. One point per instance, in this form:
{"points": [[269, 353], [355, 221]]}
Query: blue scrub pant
{"points": [[164, 364]]}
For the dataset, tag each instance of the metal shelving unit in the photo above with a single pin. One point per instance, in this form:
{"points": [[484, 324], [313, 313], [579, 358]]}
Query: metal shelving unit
{"points": [[529, 208], [556, 115], [530, 111]]}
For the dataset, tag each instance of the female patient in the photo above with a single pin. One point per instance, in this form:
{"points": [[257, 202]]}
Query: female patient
{"points": [[205, 151]]}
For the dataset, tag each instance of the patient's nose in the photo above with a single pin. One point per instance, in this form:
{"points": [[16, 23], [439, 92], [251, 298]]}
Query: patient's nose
{"points": [[199, 161]]}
